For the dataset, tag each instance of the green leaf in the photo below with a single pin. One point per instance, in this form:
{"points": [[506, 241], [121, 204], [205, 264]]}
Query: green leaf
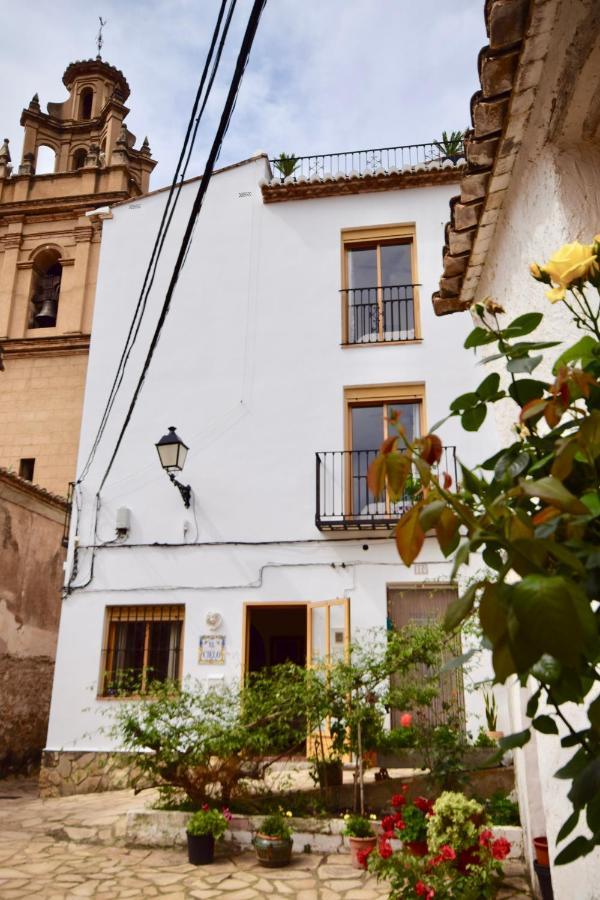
{"points": [[492, 558], [586, 784], [523, 364], [492, 613], [593, 814], [579, 847], [447, 532], [459, 609], [503, 661], [594, 715], [410, 535], [478, 337], [511, 465], [582, 351], [465, 401], [575, 765], [526, 389], [472, 419], [568, 826], [431, 513], [553, 491], [545, 724], [532, 703], [591, 499], [488, 387], [511, 741], [523, 325], [461, 558], [555, 615], [457, 662]]}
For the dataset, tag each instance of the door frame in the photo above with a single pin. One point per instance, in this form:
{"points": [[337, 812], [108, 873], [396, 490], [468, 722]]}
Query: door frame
{"points": [[246, 626]]}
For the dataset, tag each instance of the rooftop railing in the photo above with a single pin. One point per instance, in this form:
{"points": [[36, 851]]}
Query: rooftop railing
{"points": [[359, 162]]}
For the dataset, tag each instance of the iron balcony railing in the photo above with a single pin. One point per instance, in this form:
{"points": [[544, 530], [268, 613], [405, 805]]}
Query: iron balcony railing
{"points": [[378, 314], [344, 500], [359, 162]]}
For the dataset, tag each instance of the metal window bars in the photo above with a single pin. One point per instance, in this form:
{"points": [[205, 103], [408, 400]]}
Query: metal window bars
{"points": [[343, 498], [359, 162], [379, 314]]}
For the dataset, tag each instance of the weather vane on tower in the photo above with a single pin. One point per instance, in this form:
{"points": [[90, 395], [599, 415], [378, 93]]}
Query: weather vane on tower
{"points": [[100, 39]]}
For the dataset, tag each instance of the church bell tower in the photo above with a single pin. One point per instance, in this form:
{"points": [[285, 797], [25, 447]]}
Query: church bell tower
{"points": [[50, 233]]}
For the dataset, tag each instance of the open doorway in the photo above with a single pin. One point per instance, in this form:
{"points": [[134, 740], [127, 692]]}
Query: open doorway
{"points": [[275, 633]]}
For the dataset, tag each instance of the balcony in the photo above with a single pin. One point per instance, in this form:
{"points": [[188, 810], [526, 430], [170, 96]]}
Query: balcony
{"points": [[349, 163], [374, 315], [344, 501]]}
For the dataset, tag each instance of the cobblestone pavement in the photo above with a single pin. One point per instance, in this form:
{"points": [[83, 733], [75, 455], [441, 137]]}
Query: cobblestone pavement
{"points": [[69, 847]]}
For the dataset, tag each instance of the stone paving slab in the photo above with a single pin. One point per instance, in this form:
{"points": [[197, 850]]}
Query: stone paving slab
{"points": [[59, 849]]}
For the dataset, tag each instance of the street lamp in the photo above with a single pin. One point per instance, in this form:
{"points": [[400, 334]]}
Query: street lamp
{"points": [[172, 453]]}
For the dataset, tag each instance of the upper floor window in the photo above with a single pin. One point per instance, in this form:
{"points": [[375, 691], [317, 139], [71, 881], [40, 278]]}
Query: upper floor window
{"points": [[47, 275], [379, 285], [85, 103], [143, 646], [78, 159]]}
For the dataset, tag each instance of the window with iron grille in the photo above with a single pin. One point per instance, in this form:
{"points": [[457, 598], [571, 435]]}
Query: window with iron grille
{"points": [[143, 646]]}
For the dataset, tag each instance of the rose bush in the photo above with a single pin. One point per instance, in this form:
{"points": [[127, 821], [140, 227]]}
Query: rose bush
{"points": [[533, 512]]}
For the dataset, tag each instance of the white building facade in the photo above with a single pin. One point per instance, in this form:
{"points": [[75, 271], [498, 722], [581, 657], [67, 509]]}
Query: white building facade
{"points": [[300, 321]]}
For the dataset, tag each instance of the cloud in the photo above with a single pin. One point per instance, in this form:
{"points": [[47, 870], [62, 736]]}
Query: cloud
{"points": [[324, 76]]}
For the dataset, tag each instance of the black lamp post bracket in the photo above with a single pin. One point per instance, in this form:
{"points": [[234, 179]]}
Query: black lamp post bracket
{"points": [[184, 489]]}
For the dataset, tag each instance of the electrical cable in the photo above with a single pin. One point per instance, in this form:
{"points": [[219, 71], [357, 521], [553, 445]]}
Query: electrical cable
{"points": [[242, 61], [165, 222]]}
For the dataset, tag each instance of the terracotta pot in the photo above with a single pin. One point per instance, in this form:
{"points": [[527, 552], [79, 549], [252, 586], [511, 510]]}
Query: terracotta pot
{"points": [[541, 850], [273, 852], [201, 849], [370, 759], [358, 845], [495, 735], [417, 848]]}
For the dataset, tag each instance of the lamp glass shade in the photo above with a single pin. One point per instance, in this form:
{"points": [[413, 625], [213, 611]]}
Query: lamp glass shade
{"points": [[172, 451]]}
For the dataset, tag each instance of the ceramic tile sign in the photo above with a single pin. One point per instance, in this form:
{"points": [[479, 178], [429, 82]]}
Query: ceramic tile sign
{"points": [[211, 649]]}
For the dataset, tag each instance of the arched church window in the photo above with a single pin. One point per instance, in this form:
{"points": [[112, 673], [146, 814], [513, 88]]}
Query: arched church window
{"points": [[47, 274], [79, 159], [85, 103], [45, 162]]}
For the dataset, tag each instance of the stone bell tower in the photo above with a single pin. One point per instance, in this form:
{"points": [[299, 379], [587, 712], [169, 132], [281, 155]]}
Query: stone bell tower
{"points": [[50, 233]]}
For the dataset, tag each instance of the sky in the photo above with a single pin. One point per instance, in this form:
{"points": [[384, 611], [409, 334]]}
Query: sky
{"points": [[324, 75]]}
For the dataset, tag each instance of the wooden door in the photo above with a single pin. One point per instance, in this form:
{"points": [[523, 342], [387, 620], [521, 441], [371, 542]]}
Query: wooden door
{"points": [[328, 639], [420, 605]]}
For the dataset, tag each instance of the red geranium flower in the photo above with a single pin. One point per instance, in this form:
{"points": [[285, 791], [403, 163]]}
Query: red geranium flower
{"points": [[385, 849], [406, 720], [425, 805], [423, 890], [500, 848], [485, 838], [388, 823], [363, 856], [398, 800], [447, 853]]}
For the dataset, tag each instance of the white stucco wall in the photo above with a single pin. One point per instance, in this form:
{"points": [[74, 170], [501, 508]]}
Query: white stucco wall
{"points": [[250, 370], [553, 198]]}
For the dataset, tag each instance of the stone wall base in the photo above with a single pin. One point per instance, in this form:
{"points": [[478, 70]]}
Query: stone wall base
{"points": [[67, 772], [25, 688]]}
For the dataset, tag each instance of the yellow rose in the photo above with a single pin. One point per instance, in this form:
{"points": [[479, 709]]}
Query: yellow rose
{"points": [[571, 263], [556, 294], [536, 271]]}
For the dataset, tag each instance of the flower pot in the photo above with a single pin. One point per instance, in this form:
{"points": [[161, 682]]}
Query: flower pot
{"points": [[541, 850], [545, 880], [272, 852], [416, 848], [360, 846], [201, 849], [495, 735]]}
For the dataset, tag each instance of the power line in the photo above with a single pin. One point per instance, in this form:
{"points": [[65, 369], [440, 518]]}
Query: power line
{"points": [[167, 216], [242, 61]]}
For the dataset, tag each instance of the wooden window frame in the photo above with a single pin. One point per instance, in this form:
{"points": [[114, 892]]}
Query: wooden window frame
{"points": [[372, 394], [148, 613], [366, 237]]}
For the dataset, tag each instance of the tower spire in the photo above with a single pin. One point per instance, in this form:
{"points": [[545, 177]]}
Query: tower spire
{"points": [[100, 38]]}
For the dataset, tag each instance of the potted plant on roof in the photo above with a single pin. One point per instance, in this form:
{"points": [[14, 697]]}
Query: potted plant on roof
{"points": [[286, 164], [361, 837], [451, 146], [491, 716], [273, 841], [202, 829]]}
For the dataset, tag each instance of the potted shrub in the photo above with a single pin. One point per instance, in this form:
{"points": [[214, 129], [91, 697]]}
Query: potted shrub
{"points": [[273, 842], [362, 839], [202, 829]]}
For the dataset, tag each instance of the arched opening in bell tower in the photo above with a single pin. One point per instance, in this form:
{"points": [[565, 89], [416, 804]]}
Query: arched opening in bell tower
{"points": [[78, 159], [45, 162], [85, 103], [47, 275]]}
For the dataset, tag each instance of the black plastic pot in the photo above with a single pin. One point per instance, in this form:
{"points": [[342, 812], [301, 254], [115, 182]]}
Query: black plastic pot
{"points": [[545, 880], [201, 849]]}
